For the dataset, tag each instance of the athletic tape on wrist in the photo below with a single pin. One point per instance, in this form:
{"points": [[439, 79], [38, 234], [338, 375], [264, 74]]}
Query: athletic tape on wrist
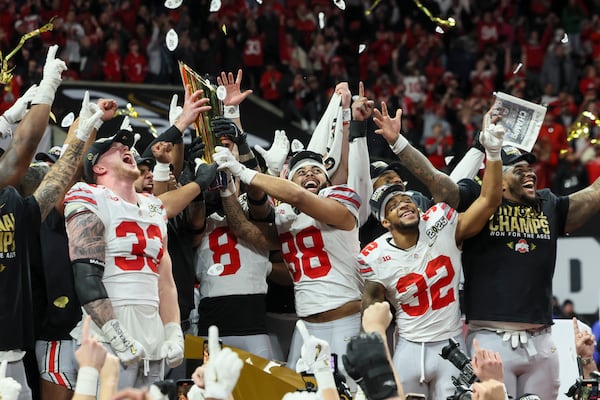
{"points": [[247, 175], [87, 381], [161, 172], [346, 115], [325, 379], [399, 145], [231, 112]]}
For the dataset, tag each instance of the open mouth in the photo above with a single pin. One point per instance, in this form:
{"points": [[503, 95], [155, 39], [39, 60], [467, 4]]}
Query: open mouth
{"points": [[528, 184], [311, 184], [128, 159]]}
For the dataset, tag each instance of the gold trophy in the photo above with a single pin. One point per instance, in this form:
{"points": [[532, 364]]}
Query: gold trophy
{"points": [[202, 123]]}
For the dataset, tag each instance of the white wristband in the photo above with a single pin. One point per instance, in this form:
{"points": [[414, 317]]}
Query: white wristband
{"points": [[346, 115], [231, 112], [87, 381], [98, 124], [325, 379], [161, 172], [247, 175], [493, 155], [399, 145], [82, 135]]}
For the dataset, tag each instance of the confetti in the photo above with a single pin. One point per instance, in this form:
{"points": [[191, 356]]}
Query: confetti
{"points": [[215, 269], [171, 39], [361, 48], [518, 68], [439, 30], [340, 4], [321, 20], [67, 120], [215, 5], [565, 39], [221, 93], [173, 4]]}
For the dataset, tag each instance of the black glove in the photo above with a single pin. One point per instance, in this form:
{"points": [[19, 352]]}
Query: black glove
{"points": [[205, 175], [196, 149], [167, 387], [366, 362], [226, 127]]}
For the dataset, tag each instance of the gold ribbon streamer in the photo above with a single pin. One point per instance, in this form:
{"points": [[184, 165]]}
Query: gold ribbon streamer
{"points": [[450, 22], [130, 112], [6, 72]]}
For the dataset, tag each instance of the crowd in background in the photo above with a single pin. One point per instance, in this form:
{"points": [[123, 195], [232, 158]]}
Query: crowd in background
{"points": [[294, 52]]}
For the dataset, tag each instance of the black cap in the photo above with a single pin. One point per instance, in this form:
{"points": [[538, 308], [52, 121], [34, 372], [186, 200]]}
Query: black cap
{"points": [[378, 168], [511, 155], [150, 162], [305, 157], [52, 155], [172, 135], [381, 196], [100, 147]]}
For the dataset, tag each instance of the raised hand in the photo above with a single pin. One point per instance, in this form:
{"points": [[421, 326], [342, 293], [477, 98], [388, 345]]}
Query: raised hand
{"points": [[18, 110], [487, 364], [89, 117], [315, 354], [174, 110], [225, 160], [275, 157], [389, 127], [234, 95], [53, 69], [223, 368], [585, 341], [491, 137], [193, 105], [362, 108]]}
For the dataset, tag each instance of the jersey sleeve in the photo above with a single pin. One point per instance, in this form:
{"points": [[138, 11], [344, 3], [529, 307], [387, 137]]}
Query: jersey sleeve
{"points": [[80, 195], [345, 195], [366, 260]]}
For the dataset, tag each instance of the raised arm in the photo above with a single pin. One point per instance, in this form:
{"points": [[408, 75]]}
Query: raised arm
{"points": [[442, 188], [583, 205], [477, 215], [54, 184], [18, 155]]}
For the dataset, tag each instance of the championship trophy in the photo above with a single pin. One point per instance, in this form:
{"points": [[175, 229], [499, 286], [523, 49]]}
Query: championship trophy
{"points": [[202, 124]]}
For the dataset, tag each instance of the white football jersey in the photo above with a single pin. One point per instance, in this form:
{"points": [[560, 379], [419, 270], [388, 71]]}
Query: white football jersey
{"points": [[321, 258], [421, 282], [228, 266], [134, 236]]}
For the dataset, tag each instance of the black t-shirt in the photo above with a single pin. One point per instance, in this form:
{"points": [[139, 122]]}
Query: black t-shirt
{"points": [[18, 217], [182, 258], [55, 303], [509, 265]]}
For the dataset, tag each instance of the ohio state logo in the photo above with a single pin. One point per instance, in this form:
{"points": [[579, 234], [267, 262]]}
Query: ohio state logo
{"points": [[521, 246]]}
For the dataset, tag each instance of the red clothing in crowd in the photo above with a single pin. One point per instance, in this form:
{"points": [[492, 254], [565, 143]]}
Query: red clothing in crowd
{"points": [[111, 67], [253, 54], [269, 81], [135, 68]]}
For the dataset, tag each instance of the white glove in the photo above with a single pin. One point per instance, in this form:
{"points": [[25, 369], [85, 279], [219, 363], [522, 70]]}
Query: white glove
{"points": [[18, 110], [196, 393], [175, 111], [230, 189], [223, 368], [9, 388], [226, 160], [491, 139], [277, 154], [172, 348], [126, 348], [89, 116], [301, 396], [315, 356], [53, 69]]}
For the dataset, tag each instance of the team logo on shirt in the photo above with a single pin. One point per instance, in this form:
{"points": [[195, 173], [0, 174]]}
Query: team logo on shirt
{"points": [[521, 246], [154, 209]]}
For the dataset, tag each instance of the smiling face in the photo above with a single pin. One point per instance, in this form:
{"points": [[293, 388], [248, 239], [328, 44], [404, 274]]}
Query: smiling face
{"points": [[401, 214], [519, 183], [117, 162], [311, 178]]}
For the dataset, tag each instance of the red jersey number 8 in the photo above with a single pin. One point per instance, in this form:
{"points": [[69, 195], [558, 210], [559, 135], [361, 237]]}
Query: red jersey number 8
{"points": [[298, 253], [224, 248], [423, 293]]}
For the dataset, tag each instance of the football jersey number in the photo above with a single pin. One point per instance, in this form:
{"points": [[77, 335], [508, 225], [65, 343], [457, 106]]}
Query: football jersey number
{"points": [[138, 249], [227, 247], [309, 243], [423, 293]]}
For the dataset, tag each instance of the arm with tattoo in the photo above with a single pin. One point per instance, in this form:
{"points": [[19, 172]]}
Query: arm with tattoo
{"points": [[583, 205], [86, 242], [263, 236]]}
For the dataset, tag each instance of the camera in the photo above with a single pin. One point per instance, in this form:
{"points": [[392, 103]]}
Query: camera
{"points": [[460, 360], [585, 389]]}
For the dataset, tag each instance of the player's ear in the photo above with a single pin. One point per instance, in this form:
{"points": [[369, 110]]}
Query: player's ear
{"points": [[385, 223]]}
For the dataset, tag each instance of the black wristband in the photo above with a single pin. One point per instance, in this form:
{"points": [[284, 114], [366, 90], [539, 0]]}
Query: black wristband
{"points": [[357, 129], [251, 163], [243, 147], [258, 202]]}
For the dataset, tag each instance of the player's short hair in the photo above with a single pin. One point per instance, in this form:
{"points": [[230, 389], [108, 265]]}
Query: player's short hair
{"points": [[100, 147]]}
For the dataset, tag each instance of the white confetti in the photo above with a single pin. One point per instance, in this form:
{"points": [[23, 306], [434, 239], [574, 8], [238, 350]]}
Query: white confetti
{"points": [[340, 4], [565, 39], [215, 5], [173, 4], [296, 146], [259, 1], [517, 68], [221, 93], [172, 39], [321, 20], [439, 30], [215, 269], [67, 120], [361, 48]]}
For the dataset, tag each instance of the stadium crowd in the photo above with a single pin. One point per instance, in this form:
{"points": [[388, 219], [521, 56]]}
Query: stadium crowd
{"points": [[112, 251]]}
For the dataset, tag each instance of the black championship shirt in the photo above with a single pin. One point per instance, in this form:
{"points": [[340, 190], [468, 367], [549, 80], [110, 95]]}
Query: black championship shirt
{"points": [[18, 217], [509, 265]]}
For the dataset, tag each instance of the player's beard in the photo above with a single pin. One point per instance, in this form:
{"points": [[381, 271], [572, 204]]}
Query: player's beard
{"points": [[403, 227]]}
